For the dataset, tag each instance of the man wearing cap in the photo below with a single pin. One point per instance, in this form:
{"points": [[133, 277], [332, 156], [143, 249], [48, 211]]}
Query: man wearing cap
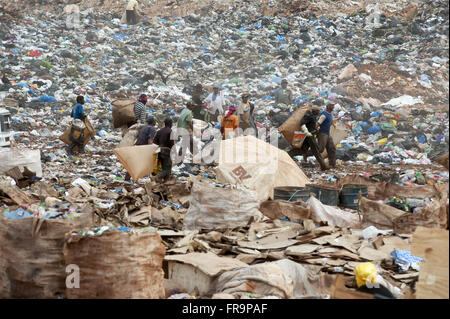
{"points": [[139, 109], [229, 123], [215, 104], [283, 95], [243, 111], [308, 126], [325, 140]]}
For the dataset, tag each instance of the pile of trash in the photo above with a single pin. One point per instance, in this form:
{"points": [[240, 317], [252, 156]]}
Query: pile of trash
{"points": [[384, 67]]}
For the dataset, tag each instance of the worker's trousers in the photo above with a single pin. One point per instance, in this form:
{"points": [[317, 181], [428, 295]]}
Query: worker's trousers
{"points": [[309, 146], [326, 142], [166, 163], [131, 17]]}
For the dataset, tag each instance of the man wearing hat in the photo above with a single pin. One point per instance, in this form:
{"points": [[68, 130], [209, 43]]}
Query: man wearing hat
{"points": [[308, 126], [243, 111], [325, 140], [216, 103], [139, 109], [283, 95]]}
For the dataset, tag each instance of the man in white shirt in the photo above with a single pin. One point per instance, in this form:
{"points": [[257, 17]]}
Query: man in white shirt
{"points": [[215, 102], [132, 7]]}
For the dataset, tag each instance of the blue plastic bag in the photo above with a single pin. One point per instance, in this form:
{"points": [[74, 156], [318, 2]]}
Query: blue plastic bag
{"points": [[47, 99], [374, 129]]}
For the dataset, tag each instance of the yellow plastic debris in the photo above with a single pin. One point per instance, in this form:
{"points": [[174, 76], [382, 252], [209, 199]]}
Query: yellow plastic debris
{"points": [[365, 273]]}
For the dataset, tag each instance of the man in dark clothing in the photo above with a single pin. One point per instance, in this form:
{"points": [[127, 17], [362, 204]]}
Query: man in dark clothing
{"points": [[147, 133], [145, 137], [198, 112], [308, 126], [165, 141]]}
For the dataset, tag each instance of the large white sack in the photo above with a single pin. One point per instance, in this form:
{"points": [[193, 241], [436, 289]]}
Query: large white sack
{"points": [[283, 278], [214, 207], [334, 216], [267, 279], [308, 280], [137, 160], [249, 161], [10, 158]]}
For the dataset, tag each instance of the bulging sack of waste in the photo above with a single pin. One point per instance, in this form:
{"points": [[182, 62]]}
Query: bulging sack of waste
{"points": [[123, 112], [292, 124], [116, 264], [130, 137], [267, 279], [443, 160], [137, 160], [88, 133], [213, 207], [31, 255]]}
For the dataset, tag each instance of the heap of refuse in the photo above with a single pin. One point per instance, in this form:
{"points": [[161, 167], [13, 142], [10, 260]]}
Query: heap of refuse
{"points": [[386, 70]]}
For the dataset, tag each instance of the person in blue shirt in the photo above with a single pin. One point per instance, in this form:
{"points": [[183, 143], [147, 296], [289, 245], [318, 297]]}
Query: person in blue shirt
{"points": [[325, 140], [78, 110], [77, 129], [147, 133]]}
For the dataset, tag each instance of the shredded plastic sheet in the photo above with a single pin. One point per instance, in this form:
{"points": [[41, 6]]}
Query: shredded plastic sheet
{"points": [[405, 260]]}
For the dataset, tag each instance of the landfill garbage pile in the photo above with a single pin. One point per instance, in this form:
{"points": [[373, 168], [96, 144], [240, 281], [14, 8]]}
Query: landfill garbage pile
{"points": [[385, 68], [371, 78]]}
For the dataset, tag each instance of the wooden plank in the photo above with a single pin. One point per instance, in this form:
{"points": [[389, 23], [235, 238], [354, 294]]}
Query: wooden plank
{"points": [[432, 245]]}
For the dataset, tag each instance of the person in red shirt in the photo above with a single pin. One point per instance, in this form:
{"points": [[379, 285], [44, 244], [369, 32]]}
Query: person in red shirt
{"points": [[230, 122]]}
